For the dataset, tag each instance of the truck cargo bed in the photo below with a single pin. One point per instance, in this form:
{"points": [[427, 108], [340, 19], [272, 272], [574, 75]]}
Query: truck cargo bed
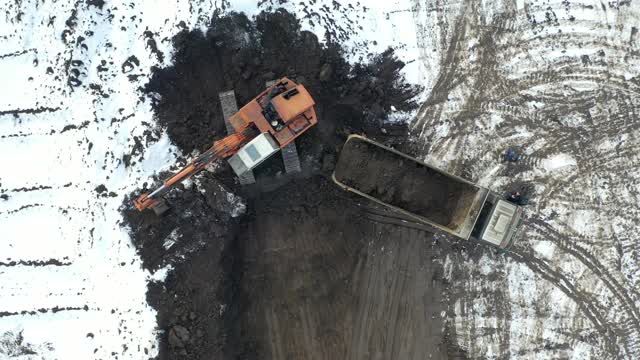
{"points": [[399, 181]]}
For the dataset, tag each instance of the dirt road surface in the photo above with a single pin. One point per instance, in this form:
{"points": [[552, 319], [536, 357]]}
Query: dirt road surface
{"points": [[328, 283]]}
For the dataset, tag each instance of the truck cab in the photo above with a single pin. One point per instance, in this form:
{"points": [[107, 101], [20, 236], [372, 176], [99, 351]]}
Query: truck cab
{"points": [[497, 222]]}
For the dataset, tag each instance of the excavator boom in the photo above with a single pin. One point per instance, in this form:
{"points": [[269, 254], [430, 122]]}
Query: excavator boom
{"points": [[220, 149]]}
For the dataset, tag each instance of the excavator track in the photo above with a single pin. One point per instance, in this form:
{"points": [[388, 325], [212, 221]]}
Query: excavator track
{"points": [[291, 158], [230, 107]]}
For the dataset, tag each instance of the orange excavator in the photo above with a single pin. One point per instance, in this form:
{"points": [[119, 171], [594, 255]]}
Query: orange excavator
{"points": [[268, 123]]}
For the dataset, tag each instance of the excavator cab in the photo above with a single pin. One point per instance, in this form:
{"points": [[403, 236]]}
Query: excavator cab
{"points": [[281, 113], [254, 153], [284, 110]]}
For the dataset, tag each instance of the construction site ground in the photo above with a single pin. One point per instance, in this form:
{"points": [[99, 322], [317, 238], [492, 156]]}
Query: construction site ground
{"points": [[301, 274], [102, 100]]}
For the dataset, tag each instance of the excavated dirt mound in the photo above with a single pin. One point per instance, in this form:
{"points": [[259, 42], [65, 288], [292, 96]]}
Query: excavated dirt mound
{"points": [[198, 217], [241, 54], [196, 239], [292, 271], [403, 183], [300, 254]]}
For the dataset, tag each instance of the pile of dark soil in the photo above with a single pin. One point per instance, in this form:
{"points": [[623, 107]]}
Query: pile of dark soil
{"points": [[195, 238], [300, 251], [341, 22], [404, 183], [321, 281], [212, 304], [198, 217], [195, 300], [242, 54]]}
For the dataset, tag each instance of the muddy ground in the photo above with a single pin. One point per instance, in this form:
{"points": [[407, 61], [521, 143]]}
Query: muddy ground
{"points": [[403, 183], [333, 284], [241, 54], [303, 273]]}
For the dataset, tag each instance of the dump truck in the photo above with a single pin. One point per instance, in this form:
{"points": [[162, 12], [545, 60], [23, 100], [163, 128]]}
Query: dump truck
{"points": [[424, 194]]}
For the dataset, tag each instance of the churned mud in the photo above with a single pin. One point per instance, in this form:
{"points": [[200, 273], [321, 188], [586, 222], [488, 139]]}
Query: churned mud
{"points": [[290, 267], [241, 54]]}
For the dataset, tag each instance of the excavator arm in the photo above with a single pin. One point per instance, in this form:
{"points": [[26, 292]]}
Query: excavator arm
{"points": [[220, 149]]}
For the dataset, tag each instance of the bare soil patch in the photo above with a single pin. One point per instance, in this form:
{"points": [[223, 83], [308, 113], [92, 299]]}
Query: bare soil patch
{"points": [[287, 279], [403, 183]]}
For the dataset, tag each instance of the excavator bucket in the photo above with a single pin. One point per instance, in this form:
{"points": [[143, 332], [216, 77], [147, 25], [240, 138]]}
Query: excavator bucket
{"points": [[161, 207]]}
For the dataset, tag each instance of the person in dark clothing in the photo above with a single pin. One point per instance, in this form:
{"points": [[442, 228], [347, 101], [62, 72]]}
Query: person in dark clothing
{"points": [[516, 197], [511, 155]]}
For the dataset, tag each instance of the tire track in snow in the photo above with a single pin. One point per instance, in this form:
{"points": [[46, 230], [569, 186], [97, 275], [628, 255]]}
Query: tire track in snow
{"points": [[16, 53], [53, 310], [39, 263], [38, 110], [586, 304], [551, 79], [630, 325]]}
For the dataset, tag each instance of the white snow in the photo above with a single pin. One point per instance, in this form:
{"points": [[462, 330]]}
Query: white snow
{"points": [[559, 161], [161, 274], [93, 305], [486, 265], [545, 249], [47, 239], [583, 221], [384, 24], [171, 239], [580, 159], [238, 205]]}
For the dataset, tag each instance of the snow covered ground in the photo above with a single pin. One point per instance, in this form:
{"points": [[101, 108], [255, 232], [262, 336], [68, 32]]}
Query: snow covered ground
{"points": [[76, 136], [364, 28], [558, 80]]}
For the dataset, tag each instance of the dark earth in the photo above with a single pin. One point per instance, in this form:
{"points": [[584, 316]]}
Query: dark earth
{"points": [[303, 273], [403, 183], [241, 54]]}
